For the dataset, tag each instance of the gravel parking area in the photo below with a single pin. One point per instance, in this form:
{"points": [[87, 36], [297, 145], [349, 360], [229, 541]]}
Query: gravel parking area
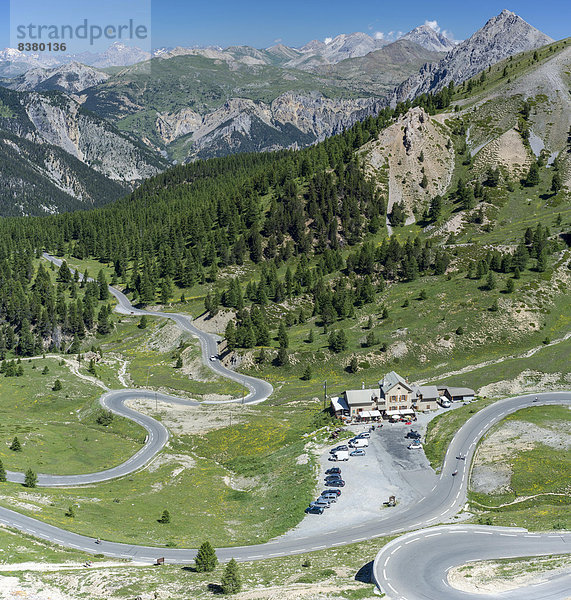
{"points": [[389, 468]]}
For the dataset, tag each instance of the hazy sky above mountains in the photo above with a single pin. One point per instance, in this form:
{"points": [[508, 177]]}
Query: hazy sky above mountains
{"points": [[293, 22]]}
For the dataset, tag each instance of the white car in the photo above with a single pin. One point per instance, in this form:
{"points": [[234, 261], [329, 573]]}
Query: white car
{"points": [[213, 358], [416, 445]]}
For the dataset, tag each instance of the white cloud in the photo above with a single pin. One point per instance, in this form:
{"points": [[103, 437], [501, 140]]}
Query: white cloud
{"points": [[277, 40], [328, 40], [433, 25], [399, 34], [390, 34], [379, 35], [448, 34]]}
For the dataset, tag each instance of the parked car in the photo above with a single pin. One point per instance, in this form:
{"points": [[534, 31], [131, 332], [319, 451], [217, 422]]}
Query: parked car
{"points": [[331, 492], [358, 443], [328, 498], [314, 510], [333, 477], [416, 445], [323, 502], [338, 449], [363, 434], [357, 452], [335, 483], [333, 471], [413, 435]]}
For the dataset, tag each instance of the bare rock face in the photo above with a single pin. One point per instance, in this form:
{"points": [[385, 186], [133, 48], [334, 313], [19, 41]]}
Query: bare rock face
{"points": [[501, 36], [59, 120], [288, 121], [414, 146]]}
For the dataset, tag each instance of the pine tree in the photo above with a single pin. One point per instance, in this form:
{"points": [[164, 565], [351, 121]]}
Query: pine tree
{"points": [[2, 472], [70, 512], [91, 368], [310, 337], [282, 357], [307, 374], [15, 446], [206, 559], [490, 281], [532, 178], [510, 286], [102, 284], [283, 338], [57, 385], [165, 517], [143, 323], [178, 364], [556, 182], [370, 322], [31, 479], [231, 582]]}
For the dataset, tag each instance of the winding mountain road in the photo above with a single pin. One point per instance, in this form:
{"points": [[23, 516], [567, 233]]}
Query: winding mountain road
{"points": [[441, 504]]}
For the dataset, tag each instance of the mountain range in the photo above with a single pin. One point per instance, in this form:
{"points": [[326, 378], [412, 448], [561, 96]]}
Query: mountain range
{"points": [[126, 124]]}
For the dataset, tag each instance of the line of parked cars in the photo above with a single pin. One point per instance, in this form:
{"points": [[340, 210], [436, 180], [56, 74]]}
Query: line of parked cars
{"points": [[333, 479]]}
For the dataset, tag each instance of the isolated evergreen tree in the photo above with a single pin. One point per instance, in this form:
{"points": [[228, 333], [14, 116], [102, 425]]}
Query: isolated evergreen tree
{"points": [[423, 295], [310, 337], [283, 338], [15, 446], [282, 357], [532, 178], [307, 374], [556, 182], [460, 330], [231, 582], [45, 370], [490, 281], [143, 323], [70, 512], [91, 369], [102, 284], [30, 479], [206, 560], [165, 517], [2, 472], [370, 322], [178, 364], [510, 286], [57, 386]]}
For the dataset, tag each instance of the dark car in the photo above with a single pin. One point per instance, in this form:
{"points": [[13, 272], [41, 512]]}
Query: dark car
{"points": [[335, 483], [333, 477], [338, 448], [333, 471], [314, 510], [413, 435], [330, 492]]}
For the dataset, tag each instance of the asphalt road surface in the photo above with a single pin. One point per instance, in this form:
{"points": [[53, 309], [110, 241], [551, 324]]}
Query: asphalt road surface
{"points": [[441, 503], [415, 565]]}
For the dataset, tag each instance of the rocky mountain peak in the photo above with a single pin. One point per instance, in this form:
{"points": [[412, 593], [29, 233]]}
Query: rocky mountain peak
{"points": [[429, 38], [502, 36]]}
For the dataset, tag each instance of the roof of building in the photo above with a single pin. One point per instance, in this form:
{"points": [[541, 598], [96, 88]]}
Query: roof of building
{"points": [[338, 403], [361, 397], [459, 391], [426, 391], [390, 380]]}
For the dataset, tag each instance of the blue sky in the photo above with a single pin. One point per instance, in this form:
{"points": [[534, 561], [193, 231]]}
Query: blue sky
{"points": [[294, 22]]}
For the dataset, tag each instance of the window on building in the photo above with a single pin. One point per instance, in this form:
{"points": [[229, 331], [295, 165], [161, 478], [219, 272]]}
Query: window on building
{"points": [[393, 398], [402, 398]]}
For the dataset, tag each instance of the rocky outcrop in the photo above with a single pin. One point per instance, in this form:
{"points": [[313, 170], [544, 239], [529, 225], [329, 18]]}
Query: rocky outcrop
{"points": [[414, 147], [502, 36]]}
